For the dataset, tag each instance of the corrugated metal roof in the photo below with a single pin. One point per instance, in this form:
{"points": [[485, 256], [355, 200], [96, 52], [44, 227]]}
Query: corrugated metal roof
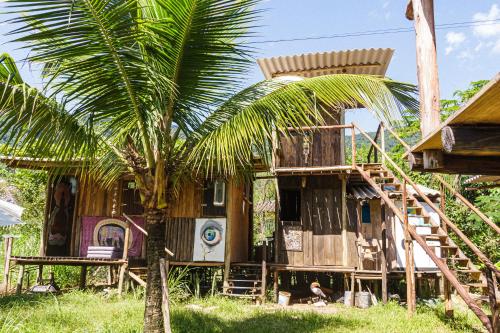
{"points": [[482, 179], [357, 61], [363, 192]]}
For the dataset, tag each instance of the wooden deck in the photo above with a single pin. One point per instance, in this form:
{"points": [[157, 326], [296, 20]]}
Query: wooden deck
{"points": [[66, 261]]}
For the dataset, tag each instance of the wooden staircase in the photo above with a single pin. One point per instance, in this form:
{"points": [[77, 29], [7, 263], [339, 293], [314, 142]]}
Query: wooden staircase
{"points": [[458, 269], [245, 281]]}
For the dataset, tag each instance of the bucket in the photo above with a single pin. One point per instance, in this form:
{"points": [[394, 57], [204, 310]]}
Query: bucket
{"points": [[361, 299], [364, 300], [347, 298], [284, 298]]}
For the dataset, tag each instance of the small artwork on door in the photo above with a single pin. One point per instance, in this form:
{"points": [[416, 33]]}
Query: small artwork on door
{"points": [[292, 237], [209, 239], [60, 219]]}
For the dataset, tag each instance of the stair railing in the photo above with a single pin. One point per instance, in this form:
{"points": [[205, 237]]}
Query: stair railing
{"points": [[467, 203], [441, 214], [439, 263]]}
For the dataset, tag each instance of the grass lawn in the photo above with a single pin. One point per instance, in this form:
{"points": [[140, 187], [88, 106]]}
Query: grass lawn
{"points": [[93, 312]]}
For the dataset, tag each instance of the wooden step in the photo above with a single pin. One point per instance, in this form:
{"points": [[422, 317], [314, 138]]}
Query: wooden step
{"points": [[239, 295], [435, 237], [243, 288], [383, 179], [242, 280], [473, 273]]}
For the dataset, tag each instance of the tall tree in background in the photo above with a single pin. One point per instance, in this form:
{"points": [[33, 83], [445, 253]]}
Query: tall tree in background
{"points": [[149, 87]]}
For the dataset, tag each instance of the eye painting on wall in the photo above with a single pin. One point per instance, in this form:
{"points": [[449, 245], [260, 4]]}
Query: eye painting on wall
{"points": [[60, 219], [209, 239]]}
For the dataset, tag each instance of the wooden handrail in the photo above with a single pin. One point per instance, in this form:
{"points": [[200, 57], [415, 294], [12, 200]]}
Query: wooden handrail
{"points": [[129, 220], [439, 263], [369, 156], [468, 204], [441, 214]]}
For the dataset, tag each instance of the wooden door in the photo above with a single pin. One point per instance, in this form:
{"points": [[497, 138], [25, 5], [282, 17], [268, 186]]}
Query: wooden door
{"points": [[326, 227]]}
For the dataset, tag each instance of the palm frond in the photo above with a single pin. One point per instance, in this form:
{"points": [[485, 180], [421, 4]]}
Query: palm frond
{"points": [[94, 59], [206, 59], [244, 125]]}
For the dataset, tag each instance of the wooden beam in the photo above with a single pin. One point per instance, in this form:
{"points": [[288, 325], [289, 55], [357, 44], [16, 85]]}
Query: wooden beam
{"points": [[137, 279], [383, 261], [409, 264], [19, 286], [83, 277], [6, 268], [164, 270], [433, 159], [264, 272], [416, 161], [471, 139], [453, 164], [427, 69], [345, 245]]}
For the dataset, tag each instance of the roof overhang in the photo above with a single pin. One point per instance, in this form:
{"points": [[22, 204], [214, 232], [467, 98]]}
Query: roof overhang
{"points": [[480, 154], [357, 61], [482, 109], [39, 163]]}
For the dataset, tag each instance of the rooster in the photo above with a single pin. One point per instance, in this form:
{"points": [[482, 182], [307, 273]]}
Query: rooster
{"points": [[316, 290]]}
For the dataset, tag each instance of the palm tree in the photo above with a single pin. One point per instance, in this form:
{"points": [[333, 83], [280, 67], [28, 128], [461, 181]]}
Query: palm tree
{"points": [[150, 87]]}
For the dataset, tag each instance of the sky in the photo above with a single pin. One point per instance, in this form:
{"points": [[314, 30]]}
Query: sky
{"points": [[465, 54]]}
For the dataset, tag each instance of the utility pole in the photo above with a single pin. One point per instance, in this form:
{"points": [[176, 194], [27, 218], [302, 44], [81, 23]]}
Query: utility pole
{"points": [[422, 13]]}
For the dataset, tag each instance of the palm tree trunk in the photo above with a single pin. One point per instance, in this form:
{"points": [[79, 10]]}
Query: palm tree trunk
{"points": [[155, 226]]}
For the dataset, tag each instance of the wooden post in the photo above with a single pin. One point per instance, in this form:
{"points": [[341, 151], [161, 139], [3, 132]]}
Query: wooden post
{"points": [[345, 246], [228, 247], [492, 291], [353, 288], [383, 261], [353, 146], [448, 304], [410, 270], [6, 268], [83, 277], [124, 266], [39, 275], [427, 69], [264, 272], [164, 268], [382, 141], [276, 275], [20, 277]]}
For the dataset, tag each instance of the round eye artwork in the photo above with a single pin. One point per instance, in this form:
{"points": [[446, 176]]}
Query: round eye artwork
{"points": [[211, 233]]}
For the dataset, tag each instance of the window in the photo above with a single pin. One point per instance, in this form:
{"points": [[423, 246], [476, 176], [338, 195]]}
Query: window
{"points": [[290, 205], [214, 199], [219, 193], [365, 212], [131, 199]]}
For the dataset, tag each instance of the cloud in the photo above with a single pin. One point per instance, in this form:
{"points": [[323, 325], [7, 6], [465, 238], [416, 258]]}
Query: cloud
{"points": [[488, 33], [487, 29], [453, 40], [386, 4]]}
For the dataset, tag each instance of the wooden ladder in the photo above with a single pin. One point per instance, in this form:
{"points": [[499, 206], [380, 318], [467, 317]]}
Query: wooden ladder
{"points": [[245, 280]]}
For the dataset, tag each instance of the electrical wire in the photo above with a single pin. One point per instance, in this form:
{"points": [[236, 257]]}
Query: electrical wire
{"points": [[444, 26]]}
